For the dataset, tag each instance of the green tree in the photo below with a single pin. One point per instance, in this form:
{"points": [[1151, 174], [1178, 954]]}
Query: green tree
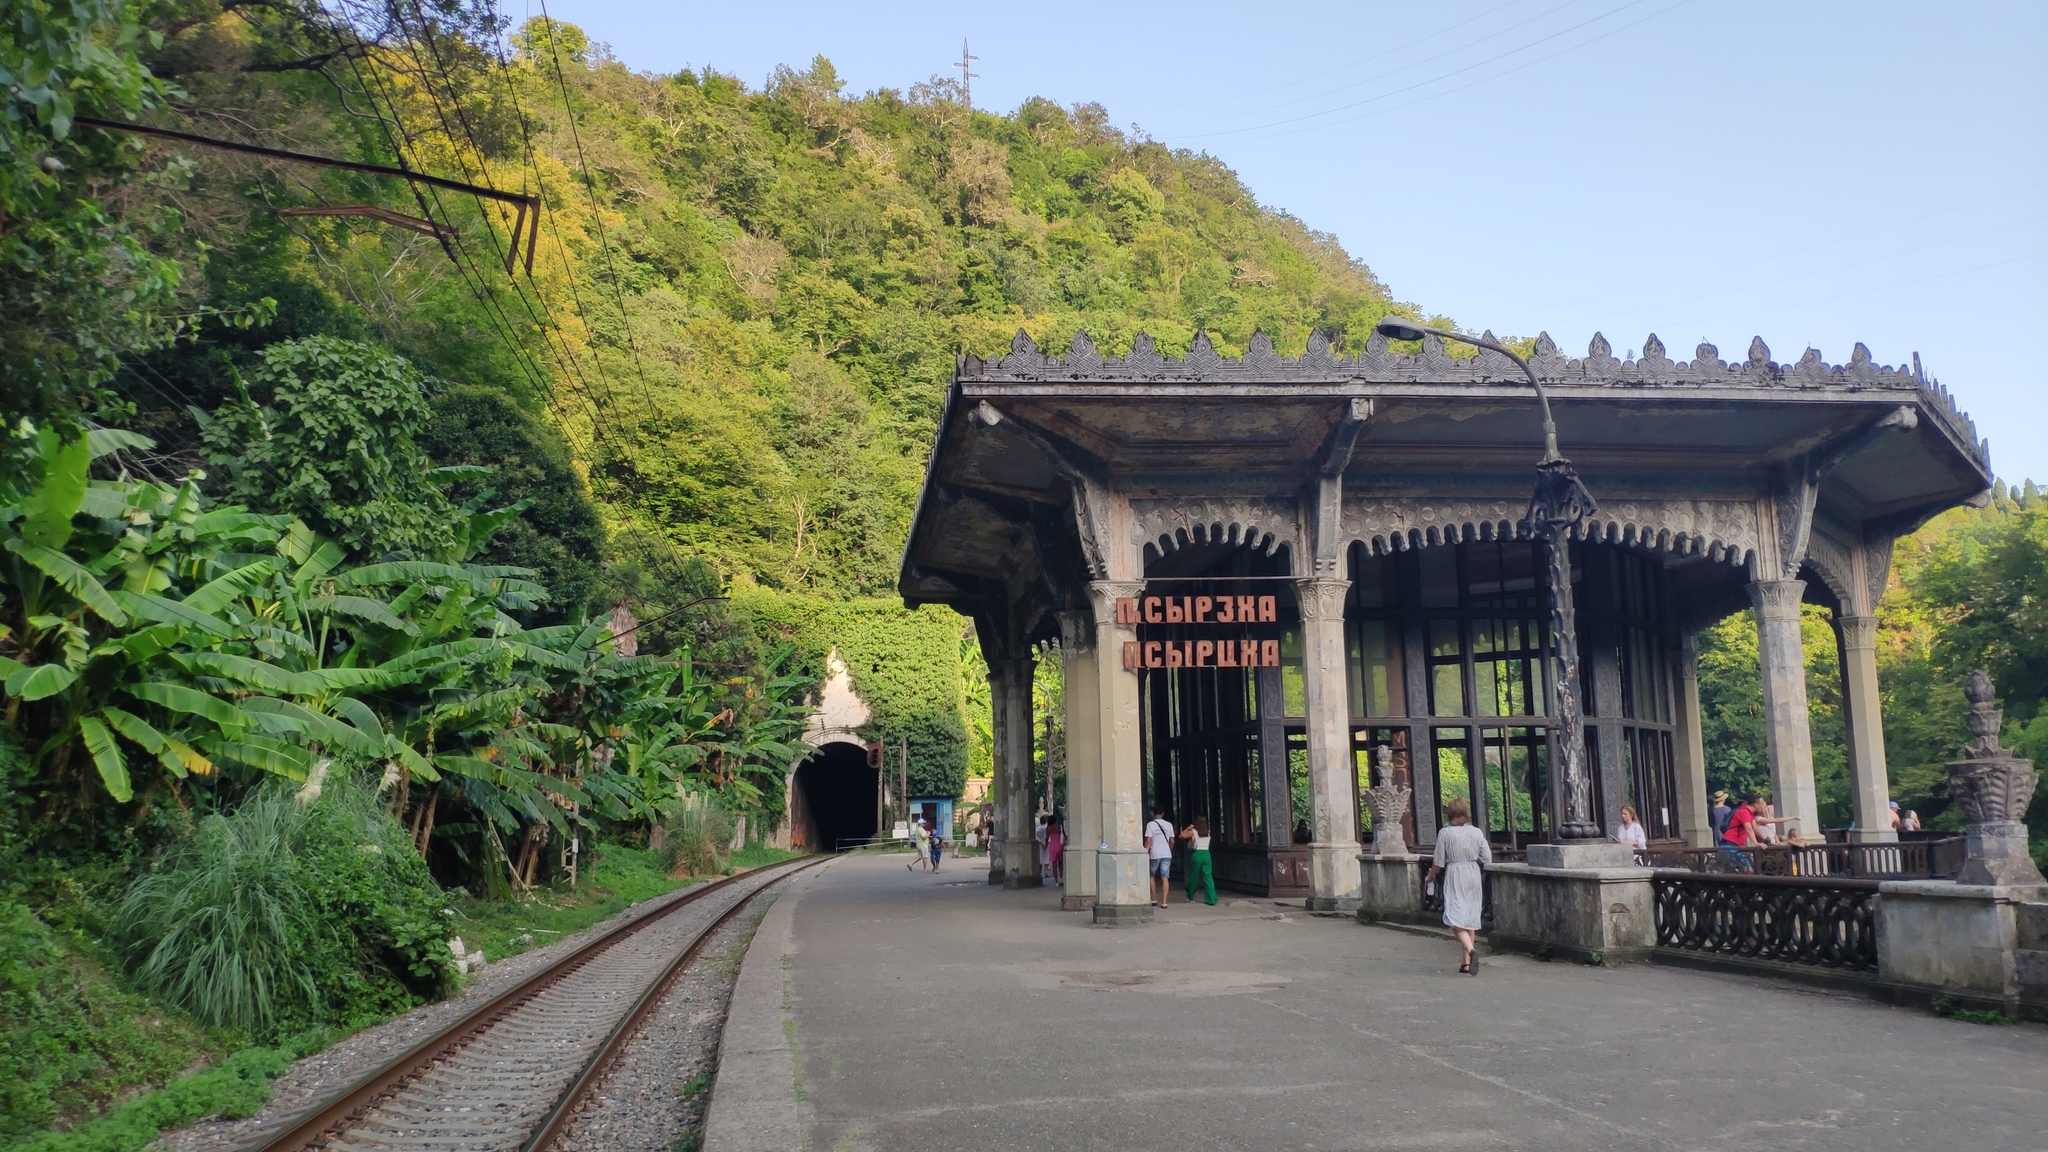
{"points": [[326, 430], [558, 534], [80, 286]]}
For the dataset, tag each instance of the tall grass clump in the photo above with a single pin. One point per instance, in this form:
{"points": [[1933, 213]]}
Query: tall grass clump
{"points": [[285, 915], [699, 838]]}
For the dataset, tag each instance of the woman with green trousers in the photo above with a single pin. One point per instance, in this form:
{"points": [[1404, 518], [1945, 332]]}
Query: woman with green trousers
{"points": [[1200, 870]]}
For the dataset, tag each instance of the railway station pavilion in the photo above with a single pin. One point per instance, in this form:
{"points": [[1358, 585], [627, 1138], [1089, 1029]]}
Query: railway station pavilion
{"points": [[1260, 572]]}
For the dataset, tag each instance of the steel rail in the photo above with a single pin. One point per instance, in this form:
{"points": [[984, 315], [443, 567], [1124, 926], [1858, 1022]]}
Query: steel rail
{"points": [[312, 1130], [601, 1061]]}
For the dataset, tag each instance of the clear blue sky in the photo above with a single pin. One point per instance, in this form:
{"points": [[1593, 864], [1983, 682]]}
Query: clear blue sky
{"points": [[1817, 173]]}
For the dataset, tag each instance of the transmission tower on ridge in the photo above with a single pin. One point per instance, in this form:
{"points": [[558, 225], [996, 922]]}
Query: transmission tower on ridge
{"points": [[966, 77]]}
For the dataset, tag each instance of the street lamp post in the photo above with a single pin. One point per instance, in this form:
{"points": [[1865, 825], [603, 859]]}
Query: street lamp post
{"points": [[1559, 504]]}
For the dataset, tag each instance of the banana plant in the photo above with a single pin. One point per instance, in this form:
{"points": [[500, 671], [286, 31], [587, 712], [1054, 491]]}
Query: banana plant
{"points": [[96, 628]]}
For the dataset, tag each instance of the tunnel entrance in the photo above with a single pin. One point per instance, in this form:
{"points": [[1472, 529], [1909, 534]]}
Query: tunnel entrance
{"points": [[838, 793]]}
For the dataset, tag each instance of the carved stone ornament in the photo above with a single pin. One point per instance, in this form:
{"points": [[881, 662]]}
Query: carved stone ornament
{"points": [[1077, 632], [1377, 362], [1388, 803], [1993, 788], [1166, 526], [1103, 595], [1723, 531], [1321, 599]]}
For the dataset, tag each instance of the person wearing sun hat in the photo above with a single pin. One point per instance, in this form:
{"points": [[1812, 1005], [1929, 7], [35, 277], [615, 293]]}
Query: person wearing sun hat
{"points": [[1718, 815]]}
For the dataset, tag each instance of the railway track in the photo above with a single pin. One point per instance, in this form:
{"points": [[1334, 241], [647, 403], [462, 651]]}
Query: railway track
{"points": [[510, 1075]]}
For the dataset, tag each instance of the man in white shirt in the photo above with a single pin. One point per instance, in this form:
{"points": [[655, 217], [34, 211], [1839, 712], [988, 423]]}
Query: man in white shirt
{"points": [[920, 841], [1159, 847]]}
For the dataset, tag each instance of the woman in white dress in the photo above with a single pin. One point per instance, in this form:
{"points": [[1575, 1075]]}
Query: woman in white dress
{"points": [[1460, 851], [1631, 833]]}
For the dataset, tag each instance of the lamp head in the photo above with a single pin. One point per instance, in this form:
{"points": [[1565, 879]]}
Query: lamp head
{"points": [[1396, 328]]}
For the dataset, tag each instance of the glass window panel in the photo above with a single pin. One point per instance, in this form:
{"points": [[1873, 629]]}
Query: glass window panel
{"points": [[1371, 584], [1293, 689], [1492, 750], [1298, 783], [1439, 568], [1443, 638], [1447, 690], [1379, 685], [1487, 688], [1453, 781], [1482, 569], [1517, 566]]}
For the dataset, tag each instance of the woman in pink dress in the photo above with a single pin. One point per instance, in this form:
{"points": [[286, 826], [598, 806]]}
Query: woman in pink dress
{"points": [[1055, 848]]}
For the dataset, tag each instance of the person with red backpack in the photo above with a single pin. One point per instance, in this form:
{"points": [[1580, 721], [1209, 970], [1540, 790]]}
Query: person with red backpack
{"points": [[1741, 832]]}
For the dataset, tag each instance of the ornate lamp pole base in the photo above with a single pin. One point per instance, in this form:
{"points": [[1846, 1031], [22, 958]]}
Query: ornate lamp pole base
{"points": [[1559, 505]]}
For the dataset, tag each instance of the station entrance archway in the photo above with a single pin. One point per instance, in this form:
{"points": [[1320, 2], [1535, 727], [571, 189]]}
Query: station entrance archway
{"points": [[836, 795]]}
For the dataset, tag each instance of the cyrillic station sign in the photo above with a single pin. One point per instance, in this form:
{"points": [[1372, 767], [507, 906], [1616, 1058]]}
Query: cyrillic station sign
{"points": [[1235, 650]]}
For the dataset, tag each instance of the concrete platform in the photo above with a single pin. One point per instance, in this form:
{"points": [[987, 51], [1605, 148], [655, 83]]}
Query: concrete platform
{"points": [[881, 1009]]}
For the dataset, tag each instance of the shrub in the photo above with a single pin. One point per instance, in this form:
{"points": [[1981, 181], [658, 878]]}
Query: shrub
{"points": [[699, 839], [69, 1036], [285, 915]]}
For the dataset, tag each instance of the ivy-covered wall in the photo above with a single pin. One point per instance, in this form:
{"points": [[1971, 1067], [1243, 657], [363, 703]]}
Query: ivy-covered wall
{"points": [[905, 665]]}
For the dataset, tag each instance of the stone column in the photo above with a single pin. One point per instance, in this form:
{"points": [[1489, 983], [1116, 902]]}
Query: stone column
{"points": [[998, 788], [1084, 758], [1870, 792], [1694, 820], [1333, 873], [1122, 896], [1020, 808], [1782, 659]]}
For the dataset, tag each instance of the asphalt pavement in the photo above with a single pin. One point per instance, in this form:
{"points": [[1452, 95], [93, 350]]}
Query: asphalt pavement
{"points": [[886, 1009]]}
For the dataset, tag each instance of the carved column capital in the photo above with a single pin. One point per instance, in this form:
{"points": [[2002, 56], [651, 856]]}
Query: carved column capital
{"points": [[1077, 632], [1859, 633], [1321, 599], [1777, 599], [1103, 595]]}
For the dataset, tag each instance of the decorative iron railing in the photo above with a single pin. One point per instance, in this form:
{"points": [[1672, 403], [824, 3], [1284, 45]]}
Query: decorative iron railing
{"points": [[1821, 923], [1918, 859]]}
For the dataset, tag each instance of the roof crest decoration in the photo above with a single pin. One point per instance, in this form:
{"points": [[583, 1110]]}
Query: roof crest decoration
{"points": [[1025, 362]]}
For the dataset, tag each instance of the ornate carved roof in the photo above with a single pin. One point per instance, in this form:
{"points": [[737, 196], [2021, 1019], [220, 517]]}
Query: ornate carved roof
{"points": [[1083, 362]]}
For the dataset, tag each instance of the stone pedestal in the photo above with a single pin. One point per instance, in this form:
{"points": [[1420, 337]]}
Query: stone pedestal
{"points": [[1993, 788], [1391, 888], [1582, 854], [1123, 874], [1593, 915], [1970, 942]]}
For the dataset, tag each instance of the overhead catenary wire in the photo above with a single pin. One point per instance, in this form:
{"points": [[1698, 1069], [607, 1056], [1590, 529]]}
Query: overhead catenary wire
{"points": [[1462, 46], [596, 216], [1380, 55], [478, 288], [1297, 120], [544, 319]]}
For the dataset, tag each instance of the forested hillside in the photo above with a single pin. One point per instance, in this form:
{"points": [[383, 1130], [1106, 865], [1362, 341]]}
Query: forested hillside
{"points": [[328, 524]]}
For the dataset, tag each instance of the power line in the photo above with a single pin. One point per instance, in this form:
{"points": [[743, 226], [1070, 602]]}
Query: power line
{"points": [[1445, 76], [499, 321], [1313, 76], [1453, 51], [967, 78], [571, 368], [597, 216]]}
